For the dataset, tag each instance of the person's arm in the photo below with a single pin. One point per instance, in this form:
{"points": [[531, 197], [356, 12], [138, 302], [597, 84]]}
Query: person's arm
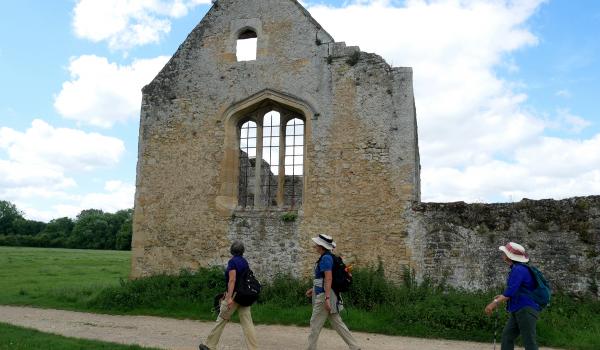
{"points": [[327, 287], [498, 299], [230, 288], [515, 278]]}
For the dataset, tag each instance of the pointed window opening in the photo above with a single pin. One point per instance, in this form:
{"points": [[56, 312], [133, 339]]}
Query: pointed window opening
{"points": [[246, 45]]}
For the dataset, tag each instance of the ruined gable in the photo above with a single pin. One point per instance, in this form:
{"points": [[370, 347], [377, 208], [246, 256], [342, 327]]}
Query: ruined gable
{"points": [[350, 168]]}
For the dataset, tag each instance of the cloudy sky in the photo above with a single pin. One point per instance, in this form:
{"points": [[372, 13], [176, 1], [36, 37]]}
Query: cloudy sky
{"points": [[507, 93]]}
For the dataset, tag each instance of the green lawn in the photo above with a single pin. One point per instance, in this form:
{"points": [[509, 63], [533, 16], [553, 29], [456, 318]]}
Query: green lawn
{"points": [[59, 278], [17, 338]]}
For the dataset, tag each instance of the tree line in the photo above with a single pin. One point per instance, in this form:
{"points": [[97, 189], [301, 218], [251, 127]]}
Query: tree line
{"points": [[91, 229]]}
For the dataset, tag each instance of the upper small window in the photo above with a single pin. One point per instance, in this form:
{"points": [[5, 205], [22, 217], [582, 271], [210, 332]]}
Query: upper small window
{"points": [[246, 45]]}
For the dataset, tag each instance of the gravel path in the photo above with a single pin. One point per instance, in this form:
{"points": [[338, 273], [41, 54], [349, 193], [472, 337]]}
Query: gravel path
{"points": [[166, 333]]}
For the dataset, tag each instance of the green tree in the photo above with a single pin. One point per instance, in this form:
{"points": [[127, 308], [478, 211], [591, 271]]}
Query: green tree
{"points": [[124, 235], [121, 224], [8, 214], [87, 212], [57, 231], [26, 227], [92, 230]]}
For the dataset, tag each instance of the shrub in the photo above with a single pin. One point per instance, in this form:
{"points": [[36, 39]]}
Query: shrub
{"points": [[162, 291]]}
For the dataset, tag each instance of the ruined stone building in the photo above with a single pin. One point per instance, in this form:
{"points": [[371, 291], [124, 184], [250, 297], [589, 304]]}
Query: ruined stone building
{"points": [[309, 129], [300, 135]]}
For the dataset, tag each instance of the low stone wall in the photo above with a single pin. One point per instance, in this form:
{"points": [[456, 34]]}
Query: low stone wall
{"points": [[457, 243]]}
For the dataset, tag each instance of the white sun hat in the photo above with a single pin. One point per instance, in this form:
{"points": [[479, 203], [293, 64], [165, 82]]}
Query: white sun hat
{"points": [[324, 241], [515, 252]]}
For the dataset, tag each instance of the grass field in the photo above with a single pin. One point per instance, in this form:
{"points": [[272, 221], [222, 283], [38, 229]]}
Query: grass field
{"points": [[96, 281], [17, 338], [60, 278]]}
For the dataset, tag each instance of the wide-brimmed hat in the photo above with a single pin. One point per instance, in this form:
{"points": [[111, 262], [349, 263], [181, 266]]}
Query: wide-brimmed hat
{"points": [[515, 252], [324, 241]]}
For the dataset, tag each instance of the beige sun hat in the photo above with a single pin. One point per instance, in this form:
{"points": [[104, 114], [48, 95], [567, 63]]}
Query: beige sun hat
{"points": [[324, 241], [515, 252]]}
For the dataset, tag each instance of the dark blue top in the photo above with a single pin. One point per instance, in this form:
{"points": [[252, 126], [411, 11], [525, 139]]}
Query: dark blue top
{"points": [[237, 263], [326, 264], [519, 277]]}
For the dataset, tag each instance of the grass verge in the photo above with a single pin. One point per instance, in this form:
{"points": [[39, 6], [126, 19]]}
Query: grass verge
{"points": [[373, 305], [17, 338], [58, 278]]}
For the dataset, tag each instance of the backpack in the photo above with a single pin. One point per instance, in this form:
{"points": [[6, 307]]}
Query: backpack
{"points": [[341, 277], [542, 293], [247, 288]]}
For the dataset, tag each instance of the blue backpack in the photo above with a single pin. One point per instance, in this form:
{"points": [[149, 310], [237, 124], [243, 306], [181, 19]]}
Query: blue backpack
{"points": [[542, 293]]}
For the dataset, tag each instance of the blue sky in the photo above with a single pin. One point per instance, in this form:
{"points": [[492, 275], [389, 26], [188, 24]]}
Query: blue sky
{"points": [[506, 91]]}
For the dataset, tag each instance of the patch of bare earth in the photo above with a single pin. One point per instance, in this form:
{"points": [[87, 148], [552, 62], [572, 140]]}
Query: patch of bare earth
{"points": [[166, 333]]}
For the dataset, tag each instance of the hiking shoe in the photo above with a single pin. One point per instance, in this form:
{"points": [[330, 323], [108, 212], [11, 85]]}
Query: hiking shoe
{"points": [[203, 347]]}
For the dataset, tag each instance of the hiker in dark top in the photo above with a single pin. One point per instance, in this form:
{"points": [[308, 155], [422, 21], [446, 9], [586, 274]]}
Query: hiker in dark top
{"points": [[235, 267], [523, 310], [324, 299]]}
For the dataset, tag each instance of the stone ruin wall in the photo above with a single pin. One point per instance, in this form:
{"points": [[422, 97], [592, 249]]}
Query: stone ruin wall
{"points": [[361, 156], [457, 243], [361, 178]]}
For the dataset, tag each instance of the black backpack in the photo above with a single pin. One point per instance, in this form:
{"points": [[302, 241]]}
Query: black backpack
{"points": [[247, 288], [341, 278]]}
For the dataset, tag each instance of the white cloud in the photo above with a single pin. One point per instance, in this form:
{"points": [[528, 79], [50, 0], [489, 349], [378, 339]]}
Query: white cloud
{"points": [[478, 140], [551, 168], [60, 148], [42, 163], [573, 123], [116, 196], [128, 23], [101, 93]]}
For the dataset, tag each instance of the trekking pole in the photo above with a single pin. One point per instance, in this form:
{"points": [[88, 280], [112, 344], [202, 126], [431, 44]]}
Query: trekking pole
{"points": [[495, 327]]}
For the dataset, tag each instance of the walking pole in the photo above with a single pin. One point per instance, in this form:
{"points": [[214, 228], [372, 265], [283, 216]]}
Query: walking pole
{"points": [[495, 327]]}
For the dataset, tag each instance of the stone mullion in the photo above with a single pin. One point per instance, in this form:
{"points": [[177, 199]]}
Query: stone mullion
{"points": [[258, 168], [281, 170]]}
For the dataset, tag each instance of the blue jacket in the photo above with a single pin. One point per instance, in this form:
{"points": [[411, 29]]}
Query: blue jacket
{"points": [[519, 277]]}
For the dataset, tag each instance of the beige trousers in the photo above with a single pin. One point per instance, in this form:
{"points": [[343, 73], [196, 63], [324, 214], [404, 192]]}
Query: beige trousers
{"points": [[224, 316], [318, 318]]}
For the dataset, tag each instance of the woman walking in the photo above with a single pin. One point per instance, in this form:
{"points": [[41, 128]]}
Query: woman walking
{"points": [[236, 266], [326, 304], [522, 308]]}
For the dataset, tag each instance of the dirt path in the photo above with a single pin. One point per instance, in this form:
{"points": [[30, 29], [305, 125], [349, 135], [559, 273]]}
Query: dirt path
{"points": [[174, 334]]}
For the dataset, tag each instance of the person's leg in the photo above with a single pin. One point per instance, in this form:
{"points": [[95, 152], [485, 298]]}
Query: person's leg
{"points": [[510, 333], [526, 319], [317, 320], [215, 335], [340, 327], [248, 327]]}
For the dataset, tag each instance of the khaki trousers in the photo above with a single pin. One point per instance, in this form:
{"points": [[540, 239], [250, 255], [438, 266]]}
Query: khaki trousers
{"points": [[318, 318], [224, 316]]}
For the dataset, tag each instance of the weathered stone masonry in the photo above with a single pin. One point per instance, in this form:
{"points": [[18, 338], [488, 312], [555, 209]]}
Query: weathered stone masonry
{"points": [[457, 243], [361, 167], [360, 180]]}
